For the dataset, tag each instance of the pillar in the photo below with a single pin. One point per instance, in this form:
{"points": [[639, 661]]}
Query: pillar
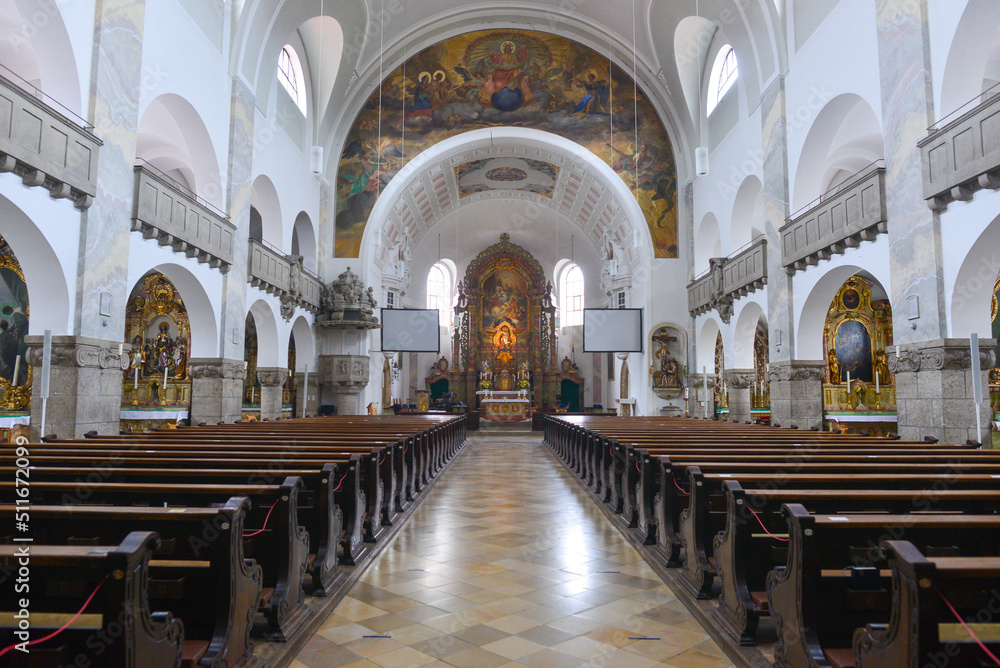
{"points": [[85, 386], [738, 382], [702, 402], [272, 385], [216, 390], [934, 395], [308, 394], [797, 393]]}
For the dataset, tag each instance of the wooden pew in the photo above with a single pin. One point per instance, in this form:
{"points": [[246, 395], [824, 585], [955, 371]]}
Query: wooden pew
{"points": [[118, 628], [198, 572], [677, 490], [835, 562], [705, 514], [920, 587], [273, 537], [356, 507]]}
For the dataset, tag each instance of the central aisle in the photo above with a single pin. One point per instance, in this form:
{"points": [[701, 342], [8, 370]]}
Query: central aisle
{"points": [[509, 562]]}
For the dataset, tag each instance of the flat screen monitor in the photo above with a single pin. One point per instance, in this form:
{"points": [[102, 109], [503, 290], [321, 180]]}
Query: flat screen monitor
{"points": [[410, 330], [612, 330]]}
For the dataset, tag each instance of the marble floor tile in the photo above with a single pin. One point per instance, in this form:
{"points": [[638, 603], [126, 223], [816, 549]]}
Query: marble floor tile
{"points": [[508, 562]]}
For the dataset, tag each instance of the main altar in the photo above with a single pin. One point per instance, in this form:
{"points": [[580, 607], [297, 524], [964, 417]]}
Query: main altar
{"points": [[504, 347]]}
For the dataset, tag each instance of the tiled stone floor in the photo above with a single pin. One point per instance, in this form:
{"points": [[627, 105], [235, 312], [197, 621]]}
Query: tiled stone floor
{"points": [[508, 562]]}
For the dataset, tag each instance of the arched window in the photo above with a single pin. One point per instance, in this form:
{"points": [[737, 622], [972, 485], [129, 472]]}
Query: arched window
{"points": [[571, 303], [439, 292], [290, 76], [724, 75]]}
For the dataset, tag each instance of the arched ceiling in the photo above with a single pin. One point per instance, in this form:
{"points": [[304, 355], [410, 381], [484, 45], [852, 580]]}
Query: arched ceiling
{"points": [[538, 171], [377, 34]]}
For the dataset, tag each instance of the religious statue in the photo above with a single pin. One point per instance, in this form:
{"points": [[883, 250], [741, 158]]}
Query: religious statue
{"points": [[834, 366], [163, 347], [180, 358], [880, 365], [148, 358], [485, 375]]}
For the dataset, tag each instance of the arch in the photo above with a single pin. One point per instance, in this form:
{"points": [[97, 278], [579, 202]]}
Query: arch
{"points": [[173, 138], [725, 72], [304, 240], [705, 345], [48, 290], [264, 198], [291, 78], [972, 292], [692, 43], [268, 354], [628, 215], [40, 51], [845, 137], [305, 344], [970, 65], [572, 289], [812, 319], [708, 243], [748, 213], [201, 314], [740, 354]]}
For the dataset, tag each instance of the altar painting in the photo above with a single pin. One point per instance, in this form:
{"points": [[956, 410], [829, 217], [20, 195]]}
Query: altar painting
{"points": [[505, 300], [493, 78], [854, 351], [16, 391]]}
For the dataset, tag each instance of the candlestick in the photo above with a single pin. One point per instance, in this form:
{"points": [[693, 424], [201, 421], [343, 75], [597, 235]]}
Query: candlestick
{"points": [[17, 371]]}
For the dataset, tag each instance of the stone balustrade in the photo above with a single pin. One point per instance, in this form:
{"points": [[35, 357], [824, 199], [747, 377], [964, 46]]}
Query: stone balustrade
{"points": [[269, 270], [165, 212], [842, 219], [45, 148], [312, 292], [962, 155], [700, 295], [746, 271]]}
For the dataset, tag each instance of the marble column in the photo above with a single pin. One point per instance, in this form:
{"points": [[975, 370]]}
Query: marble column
{"points": [[738, 382], [915, 248], [797, 393], [310, 395], [106, 226], [85, 386], [934, 395], [216, 390], [272, 385], [774, 160], [239, 183]]}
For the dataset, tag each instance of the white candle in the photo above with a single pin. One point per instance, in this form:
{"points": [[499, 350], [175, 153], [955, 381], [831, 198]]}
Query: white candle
{"points": [[17, 371], [253, 393], [876, 382], [135, 385], [120, 347], [165, 380], [848, 381]]}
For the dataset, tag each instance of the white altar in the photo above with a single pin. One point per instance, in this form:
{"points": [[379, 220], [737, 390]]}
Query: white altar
{"points": [[505, 405]]}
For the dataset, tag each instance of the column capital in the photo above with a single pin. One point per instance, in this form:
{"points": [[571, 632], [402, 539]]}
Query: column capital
{"points": [[272, 376], [213, 367], [77, 351]]}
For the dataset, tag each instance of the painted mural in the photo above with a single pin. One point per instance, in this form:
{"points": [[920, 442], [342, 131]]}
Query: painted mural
{"points": [[507, 78], [505, 300], [13, 317]]}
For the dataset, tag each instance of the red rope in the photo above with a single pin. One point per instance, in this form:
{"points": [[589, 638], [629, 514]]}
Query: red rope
{"points": [[64, 626], [679, 487], [261, 530], [783, 540], [637, 465], [341, 481], [966, 627], [381, 460]]}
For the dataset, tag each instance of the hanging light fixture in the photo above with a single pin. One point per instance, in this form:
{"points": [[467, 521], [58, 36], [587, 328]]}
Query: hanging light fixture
{"points": [[316, 152]]}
